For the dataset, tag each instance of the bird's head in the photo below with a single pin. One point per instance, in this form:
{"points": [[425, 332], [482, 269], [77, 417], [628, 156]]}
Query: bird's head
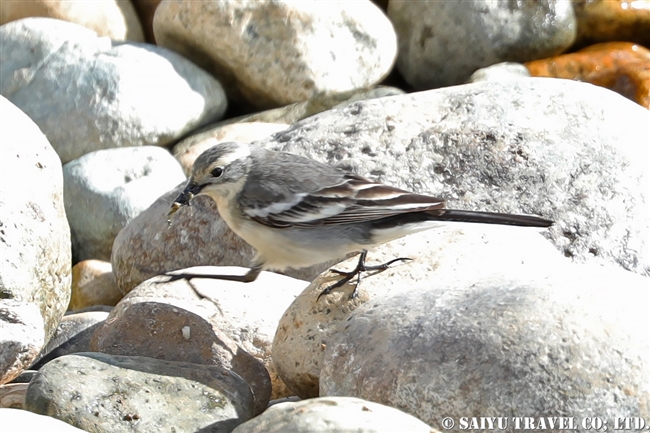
{"points": [[219, 172]]}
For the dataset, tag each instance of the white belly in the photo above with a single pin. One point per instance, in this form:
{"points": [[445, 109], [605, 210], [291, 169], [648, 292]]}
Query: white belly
{"points": [[279, 249]]}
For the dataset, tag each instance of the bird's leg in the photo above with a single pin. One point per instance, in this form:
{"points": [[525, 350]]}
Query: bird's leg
{"points": [[361, 267], [248, 277]]}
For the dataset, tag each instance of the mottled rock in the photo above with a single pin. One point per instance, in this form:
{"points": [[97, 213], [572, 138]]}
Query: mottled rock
{"points": [[190, 148], [106, 189], [148, 246], [471, 252], [15, 420], [93, 283], [72, 335], [446, 349], [569, 151], [115, 19], [612, 20], [500, 72], [333, 414], [87, 93], [34, 232], [274, 53], [170, 321], [619, 66], [127, 394], [21, 337], [443, 43]]}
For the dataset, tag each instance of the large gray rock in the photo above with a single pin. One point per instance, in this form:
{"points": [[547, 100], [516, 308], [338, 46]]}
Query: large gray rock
{"points": [[442, 43], [35, 239], [562, 344], [87, 93], [106, 189], [472, 252], [273, 53], [333, 414], [572, 152], [138, 394]]}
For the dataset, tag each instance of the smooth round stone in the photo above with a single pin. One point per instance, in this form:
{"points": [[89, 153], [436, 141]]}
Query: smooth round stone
{"points": [[274, 53]]}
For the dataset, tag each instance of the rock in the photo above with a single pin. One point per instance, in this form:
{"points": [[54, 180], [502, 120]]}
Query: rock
{"points": [[126, 394], [35, 240], [169, 321], [569, 151], [115, 19], [247, 313], [274, 53], [106, 189], [443, 43], [473, 252], [334, 414], [301, 110], [148, 246], [15, 420], [146, 10], [21, 337], [619, 66], [93, 283], [190, 148], [72, 335], [12, 395], [108, 97], [500, 72], [449, 348], [605, 20]]}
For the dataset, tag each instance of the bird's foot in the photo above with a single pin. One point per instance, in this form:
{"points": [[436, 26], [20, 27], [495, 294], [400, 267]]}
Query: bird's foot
{"points": [[361, 267]]}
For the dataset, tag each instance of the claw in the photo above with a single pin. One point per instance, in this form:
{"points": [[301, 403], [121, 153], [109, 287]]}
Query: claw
{"points": [[361, 267]]}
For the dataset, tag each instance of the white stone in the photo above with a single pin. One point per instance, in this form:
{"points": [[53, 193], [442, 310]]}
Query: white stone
{"points": [[88, 93], [273, 53]]}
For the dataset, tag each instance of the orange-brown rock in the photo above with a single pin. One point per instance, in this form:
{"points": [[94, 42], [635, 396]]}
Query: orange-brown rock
{"points": [[93, 283], [619, 66], [612, 20]]}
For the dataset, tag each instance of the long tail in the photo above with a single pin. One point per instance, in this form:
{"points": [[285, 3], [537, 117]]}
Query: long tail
{"points": [[467, 216]]}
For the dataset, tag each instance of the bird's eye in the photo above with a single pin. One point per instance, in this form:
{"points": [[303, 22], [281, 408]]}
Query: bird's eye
{"points": [[216, 172]]}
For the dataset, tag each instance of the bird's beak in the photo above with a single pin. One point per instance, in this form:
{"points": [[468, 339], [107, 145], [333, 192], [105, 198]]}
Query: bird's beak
{"points": [[184, 198]]}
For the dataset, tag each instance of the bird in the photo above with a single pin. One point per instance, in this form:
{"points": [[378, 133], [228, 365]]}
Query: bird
{"points": [[297, 212]]}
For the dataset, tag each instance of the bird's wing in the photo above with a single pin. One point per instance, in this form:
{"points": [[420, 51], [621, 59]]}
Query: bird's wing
{"points": [[354, 199]]}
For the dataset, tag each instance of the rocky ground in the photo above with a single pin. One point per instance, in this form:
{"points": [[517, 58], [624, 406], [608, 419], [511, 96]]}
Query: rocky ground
{"points": [[537, 108]]}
